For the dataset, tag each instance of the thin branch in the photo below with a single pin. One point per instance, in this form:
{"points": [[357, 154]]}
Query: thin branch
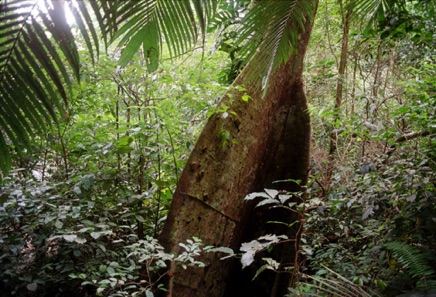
{"points": [[406, 137]]}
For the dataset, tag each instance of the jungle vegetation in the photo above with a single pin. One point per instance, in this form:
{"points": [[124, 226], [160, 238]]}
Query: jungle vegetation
{"points": [[217, 148]]}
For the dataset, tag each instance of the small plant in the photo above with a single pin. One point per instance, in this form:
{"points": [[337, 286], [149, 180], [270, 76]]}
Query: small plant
{"points": [[415, 261]]}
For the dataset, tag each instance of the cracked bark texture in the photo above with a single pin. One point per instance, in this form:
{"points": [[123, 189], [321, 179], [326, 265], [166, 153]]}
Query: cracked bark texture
{"points": [[269, 140]]}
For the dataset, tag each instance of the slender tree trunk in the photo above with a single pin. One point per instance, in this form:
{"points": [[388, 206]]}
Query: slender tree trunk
{"points": [[268, 138], [346, 22]]}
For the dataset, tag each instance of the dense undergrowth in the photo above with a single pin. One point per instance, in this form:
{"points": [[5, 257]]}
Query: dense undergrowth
{"points": [[80, 213]]}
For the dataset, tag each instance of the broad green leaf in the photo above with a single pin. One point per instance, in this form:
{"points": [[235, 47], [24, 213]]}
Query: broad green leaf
{"points": [[132, 47]]}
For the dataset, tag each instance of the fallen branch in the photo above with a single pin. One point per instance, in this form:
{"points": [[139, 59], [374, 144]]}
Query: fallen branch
{"points": [[406, 137]]}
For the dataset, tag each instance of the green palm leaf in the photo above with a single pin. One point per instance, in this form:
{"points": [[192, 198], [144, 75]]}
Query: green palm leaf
{"points": [[38, 58], [25, 87], [271, 29], [152, 23], [376, 10]]}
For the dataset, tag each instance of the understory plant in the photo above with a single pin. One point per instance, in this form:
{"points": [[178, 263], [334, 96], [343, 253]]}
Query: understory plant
{"points": [[375, 235], [55, 242]]}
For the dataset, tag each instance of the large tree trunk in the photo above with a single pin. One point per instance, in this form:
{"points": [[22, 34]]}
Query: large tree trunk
{"points": [[269, 140]]}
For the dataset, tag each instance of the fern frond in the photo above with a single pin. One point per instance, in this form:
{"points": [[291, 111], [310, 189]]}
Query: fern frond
{"points": [[412, 259]]}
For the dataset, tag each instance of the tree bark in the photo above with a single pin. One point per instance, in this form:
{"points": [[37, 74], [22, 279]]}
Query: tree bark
{"points": [[269, 140]]}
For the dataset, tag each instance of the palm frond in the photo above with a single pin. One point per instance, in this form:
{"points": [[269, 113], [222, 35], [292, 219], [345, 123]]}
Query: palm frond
{"points": [[375, 10], [269, 35], [24, 97], [154, 22], [38, 61]]}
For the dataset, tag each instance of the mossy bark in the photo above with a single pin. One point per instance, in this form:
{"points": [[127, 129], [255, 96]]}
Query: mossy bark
{"points": [[268, 138]]}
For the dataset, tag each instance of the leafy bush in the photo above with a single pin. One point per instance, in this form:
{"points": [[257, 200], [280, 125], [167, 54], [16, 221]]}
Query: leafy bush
{"points": [[55, 245]]}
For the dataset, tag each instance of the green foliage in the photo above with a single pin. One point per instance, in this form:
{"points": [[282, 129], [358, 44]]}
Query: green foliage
{"points": [[31, 53], [27, 108], [152, 21], [274, 41], [74, 243], [40, 54], [178, 24], [383, 182], [80, 212], [81, 215], [226, 22], [416, 262], [37, 40]]}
